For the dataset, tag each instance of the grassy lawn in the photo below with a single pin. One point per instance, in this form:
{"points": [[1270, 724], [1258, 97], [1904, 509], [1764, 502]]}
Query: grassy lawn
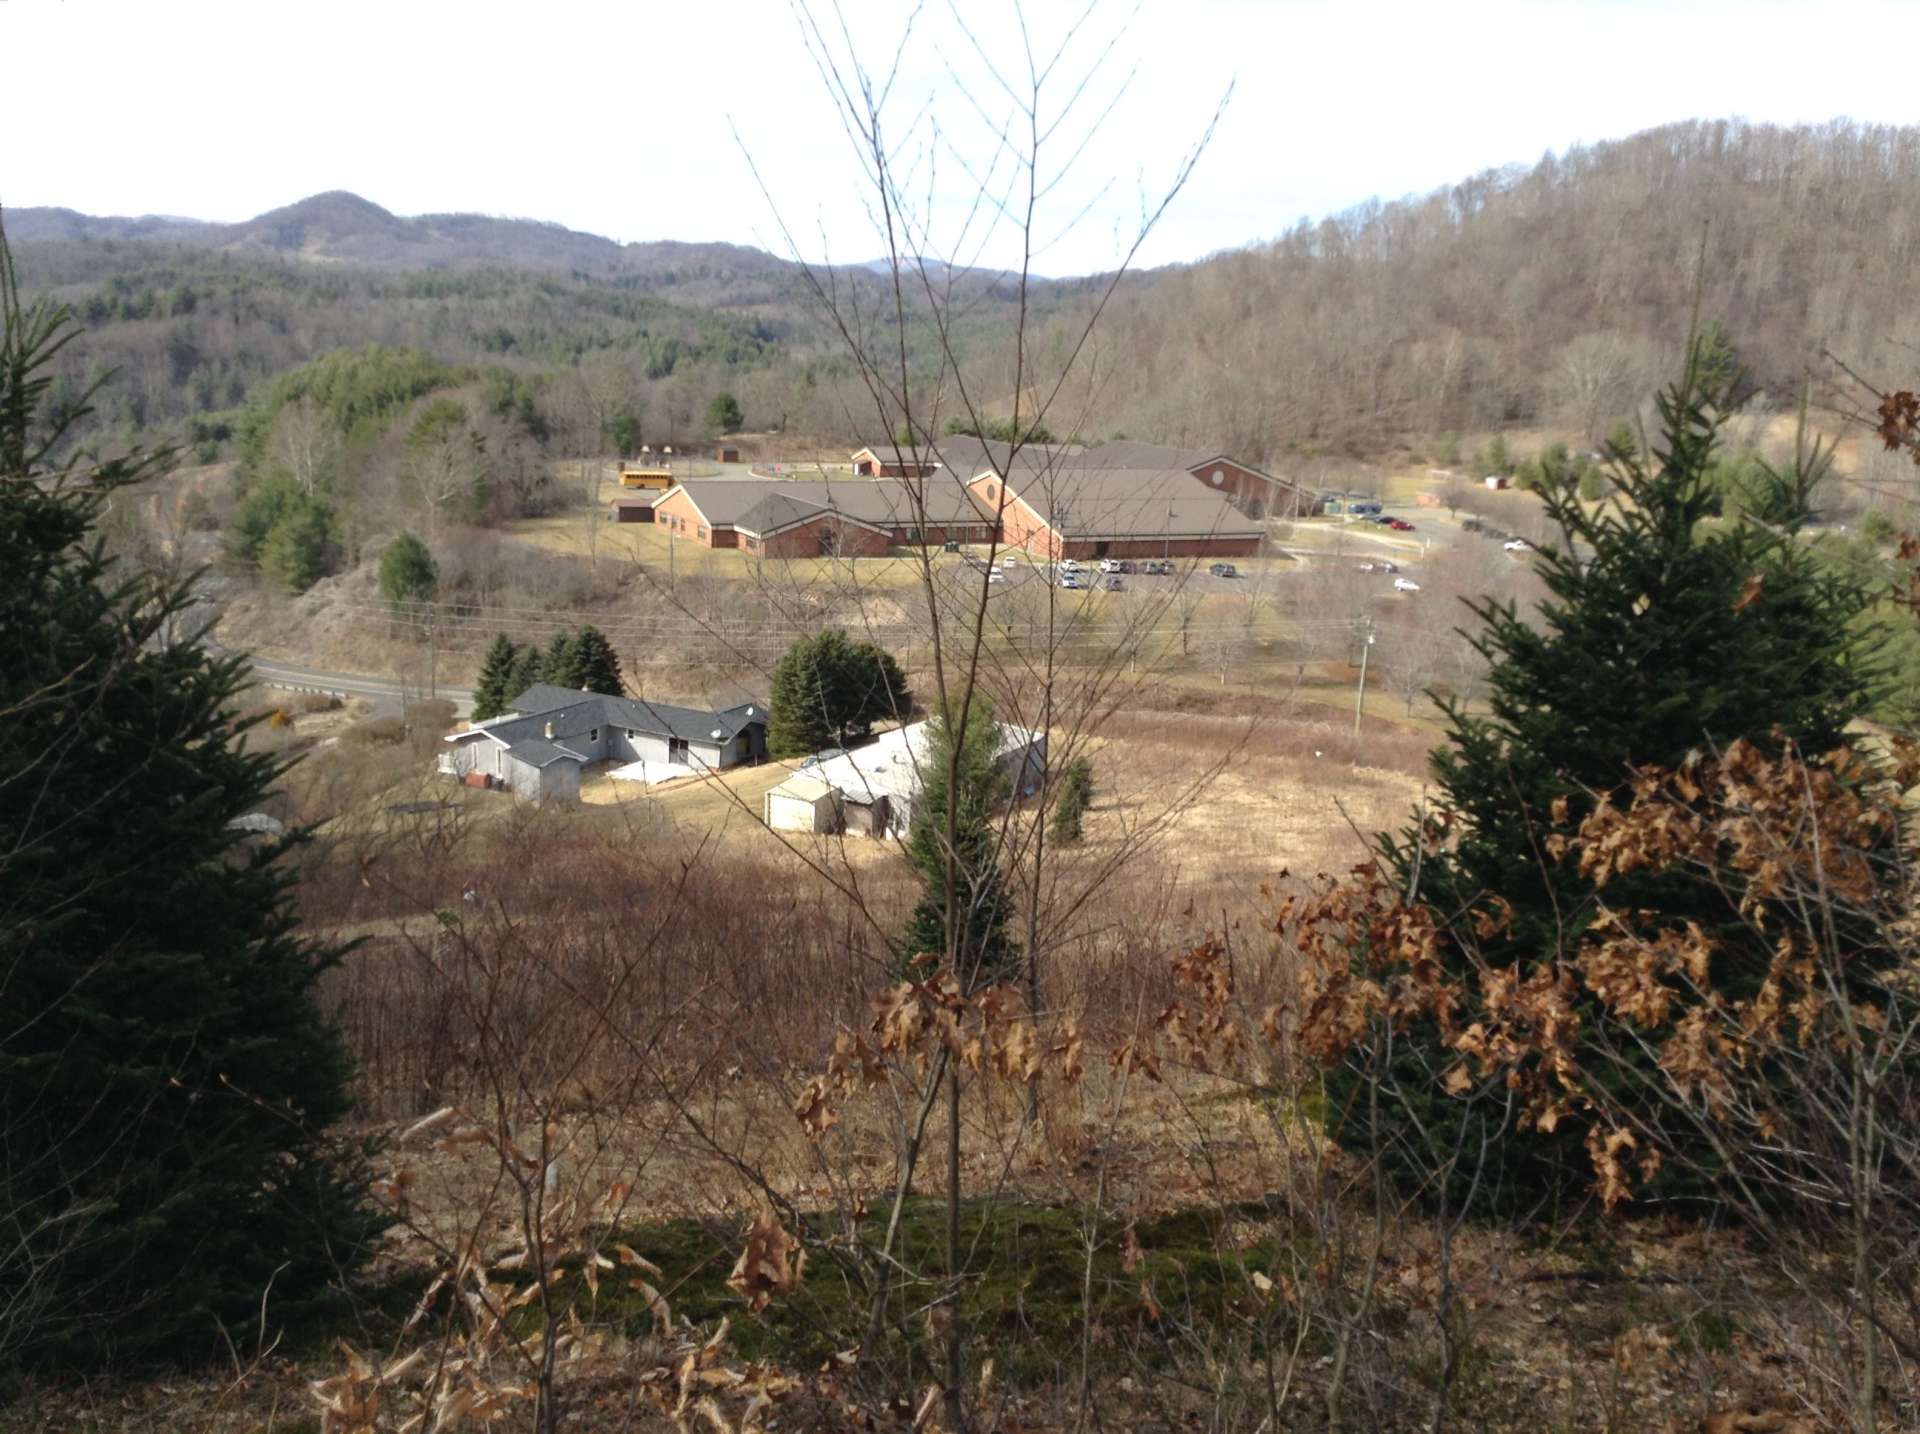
{"points": [[655, 549], [709, 803]]}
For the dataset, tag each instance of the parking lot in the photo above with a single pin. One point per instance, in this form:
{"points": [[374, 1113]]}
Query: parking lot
{"points": [[1014, 570]]}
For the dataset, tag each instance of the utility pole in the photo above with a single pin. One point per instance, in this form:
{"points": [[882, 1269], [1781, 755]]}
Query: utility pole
{"points": [[1360, 699]]}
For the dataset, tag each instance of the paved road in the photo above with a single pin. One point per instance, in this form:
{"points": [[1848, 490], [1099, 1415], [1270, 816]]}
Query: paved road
{"points": [[385, 694]]}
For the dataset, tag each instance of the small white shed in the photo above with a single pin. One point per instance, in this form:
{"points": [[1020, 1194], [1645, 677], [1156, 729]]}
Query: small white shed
{"points": [[803, 804]]}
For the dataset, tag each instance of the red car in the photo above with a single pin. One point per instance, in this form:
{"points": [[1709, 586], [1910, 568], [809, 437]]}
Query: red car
{"points": [[1400, 525]]}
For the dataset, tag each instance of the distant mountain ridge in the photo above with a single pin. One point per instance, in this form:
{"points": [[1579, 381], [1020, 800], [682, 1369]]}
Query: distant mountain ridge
{"points": [[341, 227]]}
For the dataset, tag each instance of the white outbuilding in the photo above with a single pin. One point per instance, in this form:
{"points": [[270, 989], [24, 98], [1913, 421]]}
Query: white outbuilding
{"points": [[885, 776], [803, 804]]}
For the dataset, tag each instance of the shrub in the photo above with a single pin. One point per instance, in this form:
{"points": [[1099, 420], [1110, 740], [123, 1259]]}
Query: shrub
{"points": [[435, 714], [1076, 795], [376, 731]]}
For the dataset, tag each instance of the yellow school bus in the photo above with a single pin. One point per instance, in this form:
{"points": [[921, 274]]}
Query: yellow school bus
{"points": [[633, 476]]}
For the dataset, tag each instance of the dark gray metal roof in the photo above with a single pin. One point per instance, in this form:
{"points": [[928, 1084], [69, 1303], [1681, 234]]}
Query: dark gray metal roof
{"points": [[573, 714]]}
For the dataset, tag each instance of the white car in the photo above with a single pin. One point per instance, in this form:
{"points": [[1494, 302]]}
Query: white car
{"points": [[1070, 580], [1009, 561], [1068, 565], [1405, 585], [1110, 565], [994, 577], [1517, 545]]}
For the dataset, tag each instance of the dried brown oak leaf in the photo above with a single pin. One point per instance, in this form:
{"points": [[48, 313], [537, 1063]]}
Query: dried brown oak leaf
{"points": [[770, 1264]]}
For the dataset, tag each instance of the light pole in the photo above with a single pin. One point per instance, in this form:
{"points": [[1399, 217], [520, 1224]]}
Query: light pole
{"points": [[1360, 698]]}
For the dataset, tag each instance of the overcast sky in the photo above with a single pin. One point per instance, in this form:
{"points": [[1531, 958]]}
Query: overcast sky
{"points": [[620, 118]]}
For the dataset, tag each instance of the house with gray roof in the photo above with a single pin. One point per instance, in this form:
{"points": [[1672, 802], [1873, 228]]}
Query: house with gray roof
{"points": [[540, 747]]}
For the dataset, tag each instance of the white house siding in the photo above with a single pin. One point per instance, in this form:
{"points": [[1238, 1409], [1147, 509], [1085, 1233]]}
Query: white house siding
{"points": [[477, 751], [644, 747], [628, 746], [522, 778], [478, 755]]}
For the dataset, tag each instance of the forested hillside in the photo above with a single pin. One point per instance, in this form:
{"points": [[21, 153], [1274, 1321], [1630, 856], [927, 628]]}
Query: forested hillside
{"points": [[193, 333], [1556, 294], [186, 322]]}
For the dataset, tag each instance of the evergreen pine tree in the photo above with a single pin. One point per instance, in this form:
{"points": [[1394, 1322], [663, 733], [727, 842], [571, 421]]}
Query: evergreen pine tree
{"points": [[407, 571], [877, 692], [561, 665], [294, 552], [830, 691], [165, 1078], [1653, 644], [1076, 795], [597, 663], [494, 688], [797, 717], [529, 669], [971, 885]]}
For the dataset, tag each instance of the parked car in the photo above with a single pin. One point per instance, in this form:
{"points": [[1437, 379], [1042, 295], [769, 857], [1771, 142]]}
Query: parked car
{"points": [[1405, 585], [823, 756], [1069, 580], [1471, 525], [1400, 525], [1154, 567], [1365, 568], [1382, 519], [1517, 545], [1113, 583], [1068, 565], [1383, 566], [1009, 561], [1497, 534], [995, 577], [1110, 565], [1224, 570]]}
